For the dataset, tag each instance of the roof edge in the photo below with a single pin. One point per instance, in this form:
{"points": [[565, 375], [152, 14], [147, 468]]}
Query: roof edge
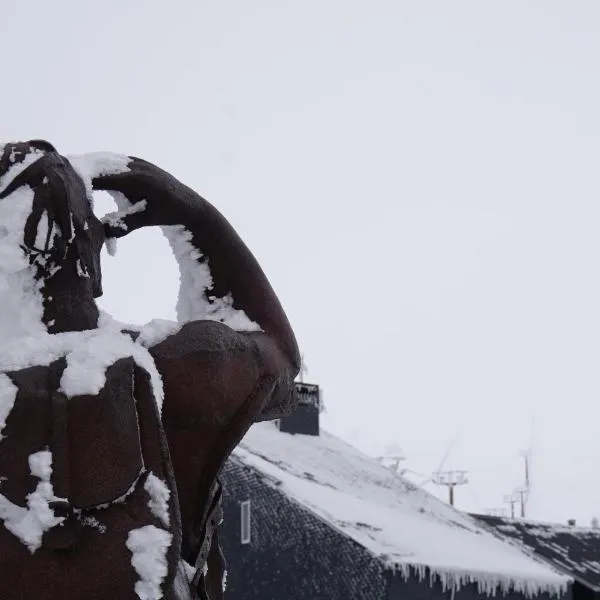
{"points": [[487, 583]]}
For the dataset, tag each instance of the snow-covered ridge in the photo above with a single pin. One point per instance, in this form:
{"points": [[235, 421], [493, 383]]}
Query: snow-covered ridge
{"points": [[403, 525]]}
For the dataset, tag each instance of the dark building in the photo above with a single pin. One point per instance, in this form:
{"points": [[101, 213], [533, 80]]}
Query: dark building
{"points": [[309, 517], [574, 551]]}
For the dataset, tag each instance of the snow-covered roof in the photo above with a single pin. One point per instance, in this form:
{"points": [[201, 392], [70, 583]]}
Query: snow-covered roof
{"points": [[573, 550], [400, 523]]}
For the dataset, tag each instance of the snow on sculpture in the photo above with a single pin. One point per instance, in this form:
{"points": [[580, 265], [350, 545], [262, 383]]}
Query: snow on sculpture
{"points": [[111, 437], [29, 524]]}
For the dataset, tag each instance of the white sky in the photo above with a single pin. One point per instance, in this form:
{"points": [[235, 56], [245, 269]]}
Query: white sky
{"points": [[418, 180]]}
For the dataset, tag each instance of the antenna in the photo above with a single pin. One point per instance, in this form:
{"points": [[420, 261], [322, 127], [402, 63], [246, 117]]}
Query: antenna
{"points": [[524, 491], [511, 500], [522, 495], [450, 479], [526, 455]]}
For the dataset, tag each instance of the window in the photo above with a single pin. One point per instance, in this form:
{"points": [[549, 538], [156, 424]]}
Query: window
{"points": [[245, 529]]}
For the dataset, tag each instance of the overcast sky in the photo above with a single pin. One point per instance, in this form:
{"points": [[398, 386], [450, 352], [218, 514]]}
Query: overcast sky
{"points": [[419, 180]]}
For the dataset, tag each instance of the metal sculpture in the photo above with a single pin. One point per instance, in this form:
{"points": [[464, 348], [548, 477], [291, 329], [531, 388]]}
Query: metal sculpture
{"points": [[112, 438]]}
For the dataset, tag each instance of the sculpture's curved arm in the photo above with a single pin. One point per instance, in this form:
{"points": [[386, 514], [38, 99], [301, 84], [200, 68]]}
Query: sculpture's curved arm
{"points": [[221, 279]]}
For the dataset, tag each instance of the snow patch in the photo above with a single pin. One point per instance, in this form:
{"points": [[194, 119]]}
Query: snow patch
{"points": [[149, 546], [88, 354], [193, 302], [91, 521], [29, 524], [159, 494], [156, 331], [43, 231], [40, 465], [115, 219], [183, 579], [124, 207], [8, 395], [189, 570], [95, 164], [111, 246], [20, 293], [32, 156]]}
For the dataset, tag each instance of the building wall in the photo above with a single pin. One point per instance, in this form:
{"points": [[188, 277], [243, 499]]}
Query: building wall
{"points": [[293, 555], [304, 420], [581, 592]]}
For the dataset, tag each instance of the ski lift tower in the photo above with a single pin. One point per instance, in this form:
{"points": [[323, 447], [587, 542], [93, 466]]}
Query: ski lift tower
{"points": [[392, 457], [450, 479]]}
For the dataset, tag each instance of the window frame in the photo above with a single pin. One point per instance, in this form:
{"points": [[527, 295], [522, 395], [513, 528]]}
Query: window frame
{"points": [[245, 522]]}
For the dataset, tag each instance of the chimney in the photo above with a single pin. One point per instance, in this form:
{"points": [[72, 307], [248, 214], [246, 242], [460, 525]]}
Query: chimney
{"points": [[305, 419], [571, 522]]}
